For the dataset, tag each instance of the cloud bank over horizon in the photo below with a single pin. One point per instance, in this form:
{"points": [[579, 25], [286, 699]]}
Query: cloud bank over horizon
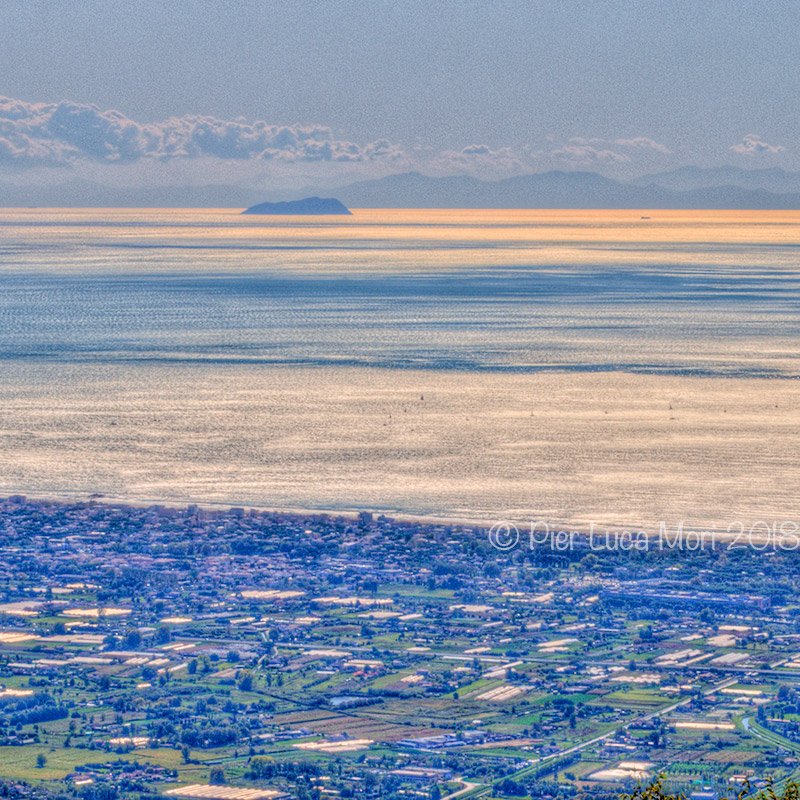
{"points": [[68, 138], [50, 134]]}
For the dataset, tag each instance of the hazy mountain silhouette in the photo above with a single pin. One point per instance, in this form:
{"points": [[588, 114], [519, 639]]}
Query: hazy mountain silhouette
{"points": [[550, 190], [688, 187], [775, 180]]}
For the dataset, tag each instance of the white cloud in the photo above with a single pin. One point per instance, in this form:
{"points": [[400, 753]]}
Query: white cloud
{"points": [[588, 151], [642, 143], [752, 145], [475, 159], [33, 134]]}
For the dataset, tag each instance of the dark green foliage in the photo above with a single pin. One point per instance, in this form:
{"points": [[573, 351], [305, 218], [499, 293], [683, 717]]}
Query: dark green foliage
{"points": [[657, 791]]}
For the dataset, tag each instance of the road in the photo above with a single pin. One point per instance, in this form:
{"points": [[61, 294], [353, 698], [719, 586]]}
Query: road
{"points": [[467, 787], [533, 765], [771, 738]]}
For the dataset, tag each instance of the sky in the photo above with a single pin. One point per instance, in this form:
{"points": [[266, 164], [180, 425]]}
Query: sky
{"points": [[302, 91]]}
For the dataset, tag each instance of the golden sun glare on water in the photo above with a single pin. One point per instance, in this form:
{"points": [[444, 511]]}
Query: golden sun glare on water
{"points": [[617, 367]]}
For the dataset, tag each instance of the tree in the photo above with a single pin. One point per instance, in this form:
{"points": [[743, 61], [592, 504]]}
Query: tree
{"points": [[217, 776], [41, 760], [656, 791]]}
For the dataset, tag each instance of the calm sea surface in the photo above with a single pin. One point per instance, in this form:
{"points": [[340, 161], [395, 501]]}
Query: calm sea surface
{"points": [[617, 367]]}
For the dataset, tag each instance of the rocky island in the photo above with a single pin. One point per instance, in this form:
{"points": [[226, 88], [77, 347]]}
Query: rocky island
{"points": [[308, 205]]}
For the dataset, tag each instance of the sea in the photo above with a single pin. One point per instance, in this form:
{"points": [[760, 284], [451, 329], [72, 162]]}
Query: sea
{"points": [[624, 369]]}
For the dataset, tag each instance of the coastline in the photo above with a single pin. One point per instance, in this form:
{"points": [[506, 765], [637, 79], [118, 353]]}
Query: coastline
{"points": [[289, 511], [556, 535]]}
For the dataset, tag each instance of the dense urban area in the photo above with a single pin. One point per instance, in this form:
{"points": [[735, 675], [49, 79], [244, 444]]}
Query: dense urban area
{"points": [[155, 652]]}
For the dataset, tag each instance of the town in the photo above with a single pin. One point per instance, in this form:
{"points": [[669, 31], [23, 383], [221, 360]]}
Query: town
{"points": [[236, 654]]}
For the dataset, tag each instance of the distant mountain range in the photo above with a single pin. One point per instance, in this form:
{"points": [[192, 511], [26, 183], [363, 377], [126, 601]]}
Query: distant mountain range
{"points": [[687, 187], [555, 190], [684, 179]]}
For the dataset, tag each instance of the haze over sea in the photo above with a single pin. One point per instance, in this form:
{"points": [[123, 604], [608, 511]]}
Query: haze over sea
{"points": [[616, 367]]}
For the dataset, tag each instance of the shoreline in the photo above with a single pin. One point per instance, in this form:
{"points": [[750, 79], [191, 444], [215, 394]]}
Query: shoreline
{"points": [[290, 511], [559, 536]]}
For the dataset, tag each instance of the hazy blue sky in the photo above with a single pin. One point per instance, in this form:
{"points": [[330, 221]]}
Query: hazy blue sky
{"points": [[622, 87]]}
